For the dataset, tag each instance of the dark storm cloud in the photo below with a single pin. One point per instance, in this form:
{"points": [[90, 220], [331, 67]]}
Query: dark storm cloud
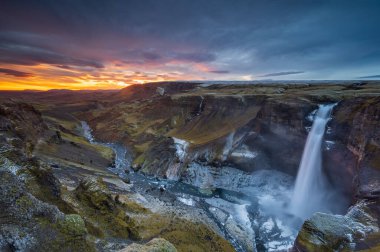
{"points": [[281, 73], [320, 38], [19, 51], [14, 73]]}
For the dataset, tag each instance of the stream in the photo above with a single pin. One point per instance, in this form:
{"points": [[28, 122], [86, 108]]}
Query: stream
{"points": [[248, 208]]}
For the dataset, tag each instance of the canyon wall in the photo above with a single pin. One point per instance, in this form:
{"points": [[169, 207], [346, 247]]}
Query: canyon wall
{"points": [[262, 128], [248, 128], [168, 130]]}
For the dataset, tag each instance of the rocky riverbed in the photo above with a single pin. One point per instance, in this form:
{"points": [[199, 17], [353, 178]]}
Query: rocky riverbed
{"points": [[236, 203]]}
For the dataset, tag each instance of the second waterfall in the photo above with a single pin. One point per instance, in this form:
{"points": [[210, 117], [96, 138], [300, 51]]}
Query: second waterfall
{"points": [[310, 187]]}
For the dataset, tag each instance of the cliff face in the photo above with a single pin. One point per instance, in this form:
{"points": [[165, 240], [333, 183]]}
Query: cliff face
{"points": [[357, 127], [251, 131], [252, 128]]}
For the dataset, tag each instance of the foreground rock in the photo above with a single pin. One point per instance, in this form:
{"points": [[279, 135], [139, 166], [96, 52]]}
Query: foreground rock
{"points": [[27, 223], [32, 216], [354, 231]]}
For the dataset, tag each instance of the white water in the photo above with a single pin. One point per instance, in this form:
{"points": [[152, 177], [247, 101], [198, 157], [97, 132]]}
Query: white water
{"points": [[181, 148], [200, 106], [310, 188]]}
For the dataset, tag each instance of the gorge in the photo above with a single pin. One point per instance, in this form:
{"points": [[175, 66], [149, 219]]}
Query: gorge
{"points": [[192, 166]]}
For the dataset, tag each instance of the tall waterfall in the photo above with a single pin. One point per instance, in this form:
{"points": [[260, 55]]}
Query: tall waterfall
{"points": [[310, 188]]}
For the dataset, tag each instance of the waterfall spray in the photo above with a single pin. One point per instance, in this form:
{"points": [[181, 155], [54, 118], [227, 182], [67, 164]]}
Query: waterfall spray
{"points": [[310, 188]]}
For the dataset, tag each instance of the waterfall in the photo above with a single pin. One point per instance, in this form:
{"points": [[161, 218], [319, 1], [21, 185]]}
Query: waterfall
{"points": [[200, 106], [310, 187], [87, 132]]}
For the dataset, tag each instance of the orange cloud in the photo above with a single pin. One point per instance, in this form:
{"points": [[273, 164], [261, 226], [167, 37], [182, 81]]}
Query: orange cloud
{"points": [[113, 76]]}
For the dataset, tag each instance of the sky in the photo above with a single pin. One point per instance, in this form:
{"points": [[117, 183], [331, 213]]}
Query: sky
{"points": [[92, 44]]}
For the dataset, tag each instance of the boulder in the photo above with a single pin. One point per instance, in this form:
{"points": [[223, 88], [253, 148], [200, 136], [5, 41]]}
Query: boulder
{"points": [[327, 232], [95, 192]]}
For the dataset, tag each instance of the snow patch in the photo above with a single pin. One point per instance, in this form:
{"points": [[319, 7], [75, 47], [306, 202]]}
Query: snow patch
{"points": [[329, 144], [187, 201], [277, 246], [244, 154], [181, 148]]}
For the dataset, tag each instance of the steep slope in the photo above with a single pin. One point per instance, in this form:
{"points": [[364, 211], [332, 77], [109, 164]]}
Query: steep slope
{"points": [[57, 194]]}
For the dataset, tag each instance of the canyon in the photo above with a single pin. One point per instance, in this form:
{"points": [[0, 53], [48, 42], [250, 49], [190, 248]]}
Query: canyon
{"points": [[192, 166]]}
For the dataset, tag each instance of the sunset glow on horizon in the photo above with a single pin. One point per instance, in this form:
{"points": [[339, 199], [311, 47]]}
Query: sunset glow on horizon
{"points": [[113, 75], [46, 77], [110, 45]]}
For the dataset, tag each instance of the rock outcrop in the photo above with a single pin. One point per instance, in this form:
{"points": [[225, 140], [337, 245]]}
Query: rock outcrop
{"points": [[155, 245], [351, 232]]}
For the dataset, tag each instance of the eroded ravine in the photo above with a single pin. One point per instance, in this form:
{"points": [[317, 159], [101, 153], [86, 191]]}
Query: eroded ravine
{"points": [[243, 206]]}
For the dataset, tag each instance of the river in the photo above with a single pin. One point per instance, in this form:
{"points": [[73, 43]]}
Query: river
{"points": [[247, 208]]}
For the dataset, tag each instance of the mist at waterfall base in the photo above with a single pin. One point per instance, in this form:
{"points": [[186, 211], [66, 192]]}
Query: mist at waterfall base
{"points": [[312, 191]]}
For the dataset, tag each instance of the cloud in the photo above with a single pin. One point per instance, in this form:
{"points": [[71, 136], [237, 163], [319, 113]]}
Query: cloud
{"points": [[151, 56], [23, 54], [318, 38], [194, 57], [282, 73], [15, 73], [219, 71], [371, 77], [64, 67]]}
